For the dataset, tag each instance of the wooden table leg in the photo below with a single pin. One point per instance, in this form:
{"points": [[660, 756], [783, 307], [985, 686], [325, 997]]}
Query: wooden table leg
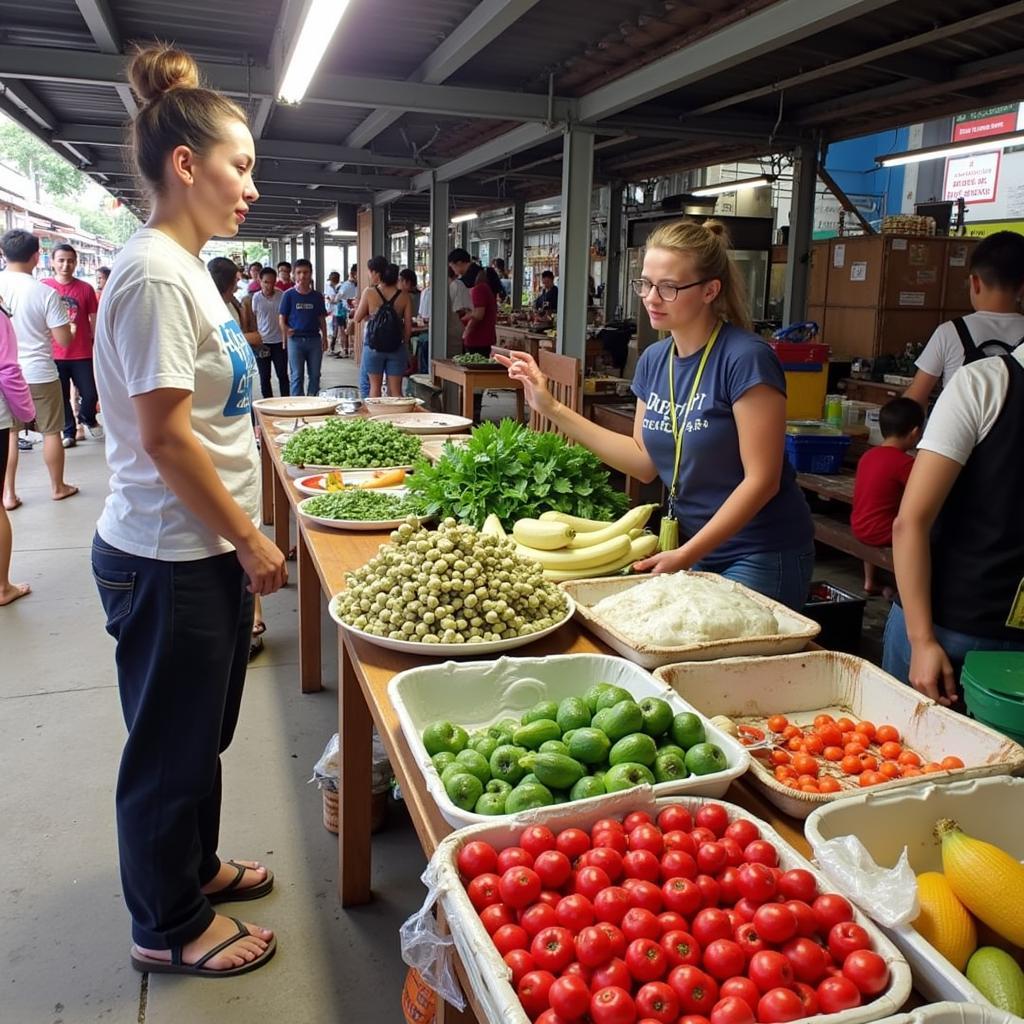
{"points": [[282, 517], [310, 668], [520, 405], [266, 481], [355, 732], [467, 397]]}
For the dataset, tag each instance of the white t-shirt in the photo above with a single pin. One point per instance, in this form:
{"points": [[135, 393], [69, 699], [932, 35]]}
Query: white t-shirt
{"points": [[35, 309], [968, 408], [331, 298], [164, 325], [348, 289], [944, 353], [459, 294]]}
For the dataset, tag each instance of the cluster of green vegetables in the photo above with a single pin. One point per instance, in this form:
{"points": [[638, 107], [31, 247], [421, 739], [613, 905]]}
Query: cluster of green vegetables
{"points": [[363, 506], [451, 586], [473, 359], [515, 473], [352, 444]]}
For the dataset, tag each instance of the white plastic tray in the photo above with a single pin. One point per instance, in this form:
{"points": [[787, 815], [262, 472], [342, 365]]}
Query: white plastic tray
{"points": [[801, 686], [487, 972], [796, 630], [990, 809], [952, 1013], [477, 694], [297, 405]]}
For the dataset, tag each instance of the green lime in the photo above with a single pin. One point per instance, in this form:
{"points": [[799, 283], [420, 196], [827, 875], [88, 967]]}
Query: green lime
{"points": [[688, 730], [670, 768], [589, 745], [637, 748], [553, 747], [534, 733], [491, 803], [528, 795], [505, 765], [442, 760], [586, 787], [657, 715], [706, 758], [626, 776], [485, 745], [593, 693], [573, 713], [475, 763], [542, 709], [623, 718], [498, 786], [612, 696], [440, 736], [463, 789]]}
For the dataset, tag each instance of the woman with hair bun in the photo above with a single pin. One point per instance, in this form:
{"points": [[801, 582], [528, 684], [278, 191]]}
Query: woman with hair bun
{"points": [[710, 421], [178, 555]]}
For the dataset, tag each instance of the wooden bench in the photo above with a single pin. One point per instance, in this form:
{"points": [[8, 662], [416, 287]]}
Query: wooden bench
{"points": [[836, 534]]}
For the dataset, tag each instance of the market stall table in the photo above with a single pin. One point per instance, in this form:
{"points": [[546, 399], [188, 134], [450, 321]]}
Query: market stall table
{"points": [[475, 378], [834, 487]]}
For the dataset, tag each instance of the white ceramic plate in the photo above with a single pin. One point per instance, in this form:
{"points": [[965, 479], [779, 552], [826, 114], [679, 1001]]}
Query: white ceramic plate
{"points": [[363, 525], [390, 406], [453, 650], [311, 484], [297, 471], [297, 405], [427, 422]]}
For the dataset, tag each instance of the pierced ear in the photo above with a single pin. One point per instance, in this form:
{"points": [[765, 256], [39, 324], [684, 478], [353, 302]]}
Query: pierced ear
{"points": [[182, 161]]}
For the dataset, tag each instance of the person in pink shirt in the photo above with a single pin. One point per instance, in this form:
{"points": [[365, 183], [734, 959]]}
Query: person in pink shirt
{"points": [[74, 363], [15, 404]]}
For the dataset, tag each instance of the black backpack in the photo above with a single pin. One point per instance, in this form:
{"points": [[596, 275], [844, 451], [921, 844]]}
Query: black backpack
{"points": [[974, 351], [385, 330]]}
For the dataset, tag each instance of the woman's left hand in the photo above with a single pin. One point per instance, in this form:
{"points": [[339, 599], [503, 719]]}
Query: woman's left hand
{"points": [[665, 561]]}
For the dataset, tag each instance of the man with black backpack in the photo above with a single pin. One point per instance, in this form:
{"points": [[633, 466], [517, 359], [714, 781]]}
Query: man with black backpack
{"points": [[996, 327], [387, 311]]}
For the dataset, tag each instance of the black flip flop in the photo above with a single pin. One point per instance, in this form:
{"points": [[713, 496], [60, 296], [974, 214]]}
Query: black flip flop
{"points": [[198, 970], [231, 893]]}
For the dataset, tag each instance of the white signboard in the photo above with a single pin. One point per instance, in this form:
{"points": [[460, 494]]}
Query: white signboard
{"points": [[974, 177]]}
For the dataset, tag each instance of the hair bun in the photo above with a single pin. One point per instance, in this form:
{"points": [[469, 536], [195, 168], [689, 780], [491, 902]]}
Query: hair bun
{"points": [[159, 69], [716, 227]]}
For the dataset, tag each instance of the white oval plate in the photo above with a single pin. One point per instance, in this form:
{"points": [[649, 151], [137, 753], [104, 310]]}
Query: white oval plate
{"points": [[297, 471], [297, 405], [308, 484], [453, 650], [363, 525], [427, 422], [377, 407]]}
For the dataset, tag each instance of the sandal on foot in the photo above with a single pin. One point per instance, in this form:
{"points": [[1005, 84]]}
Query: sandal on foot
{"points": [[149, 965], [231, 893]]}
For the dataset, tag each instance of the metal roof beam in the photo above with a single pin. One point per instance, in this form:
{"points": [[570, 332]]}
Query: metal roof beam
{"points": [[23, 106], [103, 29]]}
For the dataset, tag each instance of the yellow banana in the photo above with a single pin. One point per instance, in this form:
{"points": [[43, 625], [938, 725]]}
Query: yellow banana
{"points": [[635, 518], [642, 547], [582, 558]]}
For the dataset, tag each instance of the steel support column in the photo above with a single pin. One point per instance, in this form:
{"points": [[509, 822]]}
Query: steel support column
{"points": [[319, 270], [801, 225], [613, 253], [439, 298], [305, 245], [410, 244], [295, 249], [574, 242], [518, 252], [378, 235], [464, 235]]}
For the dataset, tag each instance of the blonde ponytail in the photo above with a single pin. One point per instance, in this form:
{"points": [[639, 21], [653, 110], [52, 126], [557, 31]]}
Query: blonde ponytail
{"points": [[708, 245]]}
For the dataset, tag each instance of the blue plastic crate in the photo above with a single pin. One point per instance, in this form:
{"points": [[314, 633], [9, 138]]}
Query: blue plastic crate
{"points": [[809, 453]]}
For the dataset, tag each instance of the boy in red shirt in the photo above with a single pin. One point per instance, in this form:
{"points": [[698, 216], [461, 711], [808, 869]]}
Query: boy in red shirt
{"points": [[881, 476]]}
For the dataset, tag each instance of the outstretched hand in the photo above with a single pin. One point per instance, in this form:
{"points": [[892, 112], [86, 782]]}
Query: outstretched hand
{"points": [[664, 561], [523, 367]]}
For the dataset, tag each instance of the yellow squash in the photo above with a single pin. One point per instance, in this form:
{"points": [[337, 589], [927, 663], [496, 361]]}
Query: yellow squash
{"points": [[944, 921], [986, 879]]}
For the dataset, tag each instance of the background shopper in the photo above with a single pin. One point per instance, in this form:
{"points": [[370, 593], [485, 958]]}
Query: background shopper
{"points": [[303, 321]]}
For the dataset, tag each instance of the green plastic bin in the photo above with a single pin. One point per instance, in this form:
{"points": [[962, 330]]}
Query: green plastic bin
{"points": [[993, 685]]}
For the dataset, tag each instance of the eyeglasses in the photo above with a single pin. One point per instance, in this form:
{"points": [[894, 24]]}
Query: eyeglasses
{"points": [[666, 292]]}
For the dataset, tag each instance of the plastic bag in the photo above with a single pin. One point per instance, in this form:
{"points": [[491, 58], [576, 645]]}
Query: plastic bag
{"points": [[887, 895], [426, 949], [325, 771]]}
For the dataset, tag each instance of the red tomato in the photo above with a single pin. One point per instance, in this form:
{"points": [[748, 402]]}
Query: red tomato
{"points": [[611, 904], [578, 970], [613, 973], [797, 884], [807, 959], [642, 864], [807, 996], [760, 851], [756, 882], [550, 1017], [838, 993], [779, 1004], [551, 897], [553, 949], [768, 970], [693, 1018], [615, 936], [647, 837], [573, 842], [678, 864], [675, 817], [553, 867], [612, 1005], [681, 948], [831, 909], [509, 937], [632, 820], [703, 835], [646, 960], [657, 1002], [607, 859], [682, 895], [644, 894], [775, 922], [733, 851], [612, 824], [612, 838], [679, 840], [533, 990], [711, 924], [494, 916], [867, 970], [710, 890], [743, 831], [569, 997], [670, 921], [749, 939], [712, 858], [728, 885], [714, 817], [536, 839], [745, 909], [590, 881], [742, 988], [537, 917], [513, 857], [593, 947], [732, 1010], [697, 991], [519, 886], [520, 962], [477, 858], [806, 919], [483, 891], [846, 938], [640, 924], [724, 959], [575, 912]]}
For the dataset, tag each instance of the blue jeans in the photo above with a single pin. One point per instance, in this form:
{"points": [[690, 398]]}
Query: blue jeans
{"points": [[183, 631], [305, 351], [896, 652], [364, 373], [782, 575], [385, 364]]}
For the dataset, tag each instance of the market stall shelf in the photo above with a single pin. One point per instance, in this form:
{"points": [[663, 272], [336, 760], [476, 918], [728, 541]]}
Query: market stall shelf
{"points": [[470, 379]]}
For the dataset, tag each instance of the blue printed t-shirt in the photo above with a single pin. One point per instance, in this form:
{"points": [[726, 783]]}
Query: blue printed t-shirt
{"points": [[302, 312], [711, 468]]}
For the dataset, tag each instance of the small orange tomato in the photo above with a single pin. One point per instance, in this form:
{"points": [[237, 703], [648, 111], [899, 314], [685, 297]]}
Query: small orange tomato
{"points": [[887, 734], [846, 724], [908, 771], [871, 779], [823, 720], [804, 779], [810, 787], [832, 753], [791, 732], [951, 763], [855, 747], [851, 765], [891, 750], [831, 735], [805, 764], [784, 771], [829, 785], [814, 744], [791, 783], [777, 723], [865, 728], [780, 757], [890, 769], [869, 762], [795, 743], [849, 736], [908, 757], [932, 767]]}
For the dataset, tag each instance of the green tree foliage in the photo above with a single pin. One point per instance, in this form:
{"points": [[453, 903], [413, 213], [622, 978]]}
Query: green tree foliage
{"points": [[35, 160]]}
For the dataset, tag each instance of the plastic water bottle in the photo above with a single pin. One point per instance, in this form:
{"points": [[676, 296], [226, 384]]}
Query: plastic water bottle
{"points": [[834, 410]]}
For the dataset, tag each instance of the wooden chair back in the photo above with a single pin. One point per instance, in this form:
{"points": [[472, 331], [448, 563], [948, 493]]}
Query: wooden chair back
{"points": [[565, 382]]}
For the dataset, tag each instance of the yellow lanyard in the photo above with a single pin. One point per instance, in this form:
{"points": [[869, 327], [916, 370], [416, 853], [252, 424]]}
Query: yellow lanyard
{"points": [[677, 432]]}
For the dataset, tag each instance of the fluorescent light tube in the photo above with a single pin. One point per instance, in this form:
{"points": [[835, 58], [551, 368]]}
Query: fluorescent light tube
{"points": [[916, 156], [311, 42], [731, 186], [460, 217]]}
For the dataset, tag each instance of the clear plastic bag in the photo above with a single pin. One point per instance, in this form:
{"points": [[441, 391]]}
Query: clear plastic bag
{"points": [[426, 949], [325, 771], [887, 895]]}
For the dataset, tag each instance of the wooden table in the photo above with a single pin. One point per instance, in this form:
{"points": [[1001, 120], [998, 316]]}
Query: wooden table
{"points": [[523, 339], [835, 487], [474, 378]]}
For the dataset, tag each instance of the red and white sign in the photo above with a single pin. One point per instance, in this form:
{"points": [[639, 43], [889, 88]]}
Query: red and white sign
{"points": [[1001, 123], [974, 177]]}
